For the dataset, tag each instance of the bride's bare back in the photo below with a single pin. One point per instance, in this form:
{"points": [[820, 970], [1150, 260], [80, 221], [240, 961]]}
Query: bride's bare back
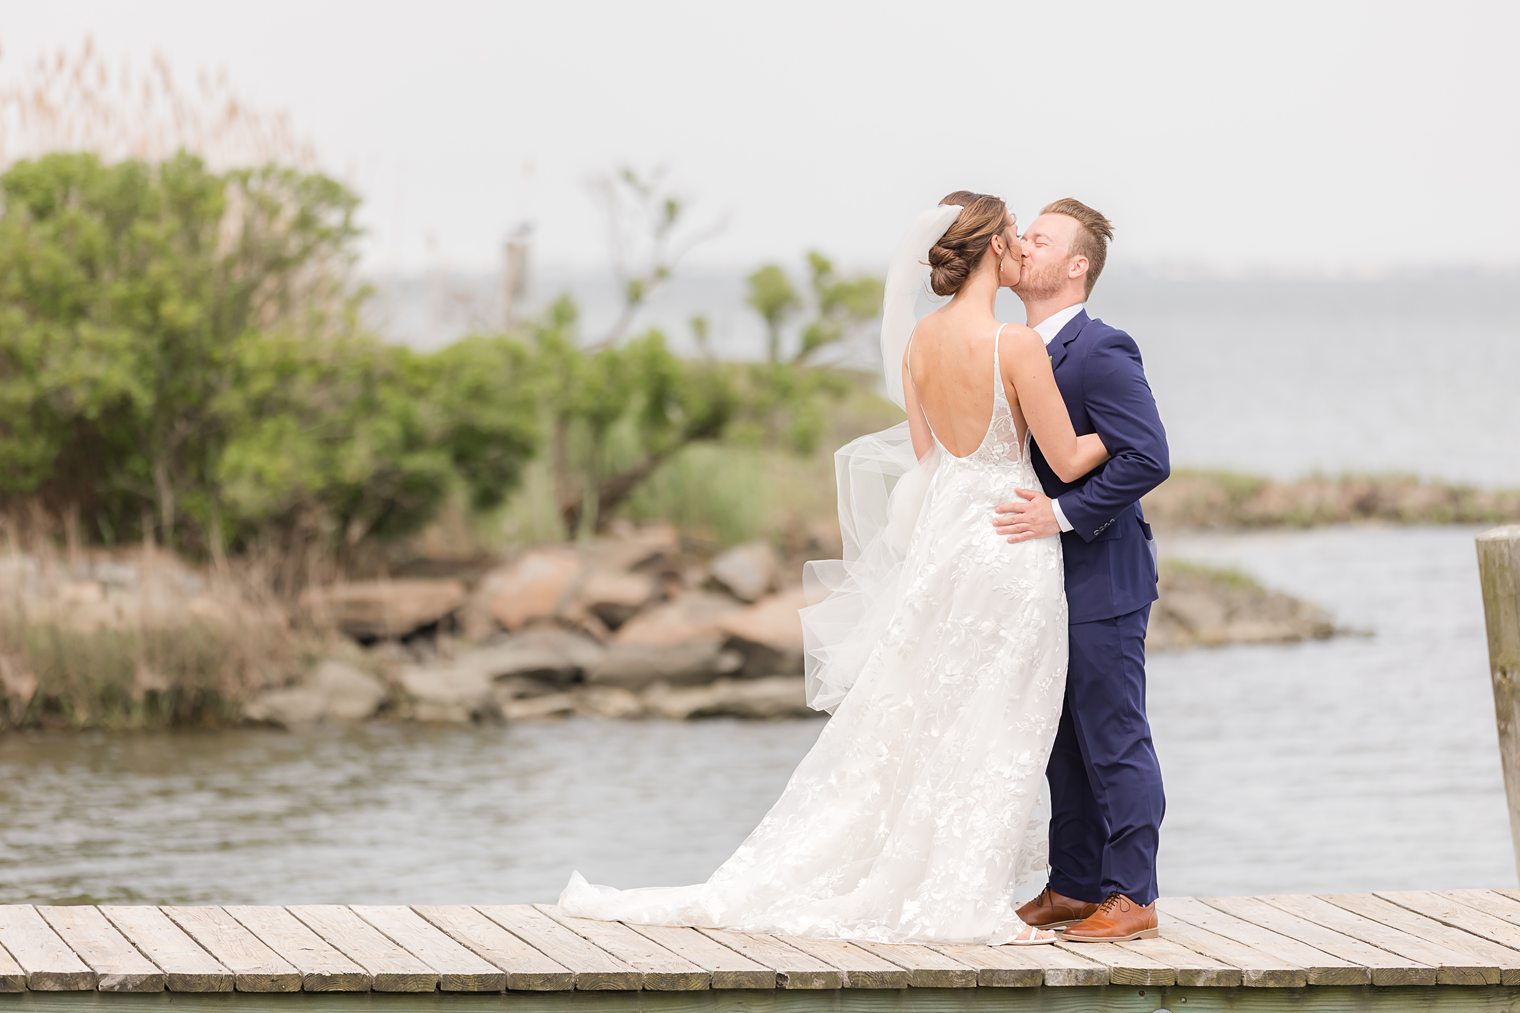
{"points": [[947, 365], [950, 362]]}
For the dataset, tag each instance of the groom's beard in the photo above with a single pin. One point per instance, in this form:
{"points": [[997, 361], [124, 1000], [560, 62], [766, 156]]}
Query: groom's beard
{"points": [[1036, 284]]}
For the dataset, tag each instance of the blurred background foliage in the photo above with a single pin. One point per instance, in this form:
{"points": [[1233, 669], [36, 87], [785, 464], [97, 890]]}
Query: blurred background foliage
{"points": [[182, 363]]}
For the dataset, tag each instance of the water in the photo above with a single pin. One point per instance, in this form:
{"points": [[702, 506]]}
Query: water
{"points": [[1279, 376], [1359, 763]]}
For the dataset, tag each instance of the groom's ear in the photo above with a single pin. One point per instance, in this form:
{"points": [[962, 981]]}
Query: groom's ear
{"points": [[1077, 267]]}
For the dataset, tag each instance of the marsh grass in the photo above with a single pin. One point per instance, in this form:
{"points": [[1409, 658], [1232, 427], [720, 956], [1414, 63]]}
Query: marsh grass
{"points": [[134, 639]]}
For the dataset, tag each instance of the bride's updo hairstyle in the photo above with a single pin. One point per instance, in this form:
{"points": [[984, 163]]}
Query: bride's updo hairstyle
{"points": [[955, 256]]}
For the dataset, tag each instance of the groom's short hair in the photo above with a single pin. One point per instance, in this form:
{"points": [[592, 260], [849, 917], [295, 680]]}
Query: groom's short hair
{"points": [[1092, 237]]}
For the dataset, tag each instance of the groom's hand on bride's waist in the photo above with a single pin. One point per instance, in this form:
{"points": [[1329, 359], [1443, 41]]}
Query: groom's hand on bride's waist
{"points": [[1028, 516]]}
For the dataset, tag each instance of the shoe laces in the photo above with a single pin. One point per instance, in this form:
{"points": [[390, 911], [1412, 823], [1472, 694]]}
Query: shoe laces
{"points": [[1114, 900]]}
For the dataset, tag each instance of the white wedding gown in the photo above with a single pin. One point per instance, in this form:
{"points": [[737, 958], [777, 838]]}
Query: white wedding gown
{"points": [[920, 813]]}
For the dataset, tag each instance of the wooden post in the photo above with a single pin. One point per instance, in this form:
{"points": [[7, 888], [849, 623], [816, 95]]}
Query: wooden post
{"points": [[1499, 575]]}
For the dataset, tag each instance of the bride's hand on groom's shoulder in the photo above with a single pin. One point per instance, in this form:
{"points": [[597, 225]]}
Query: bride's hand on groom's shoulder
{"points": [[1028, 515]]}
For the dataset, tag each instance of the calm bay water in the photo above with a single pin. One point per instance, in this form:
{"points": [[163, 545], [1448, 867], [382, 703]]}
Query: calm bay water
{"points": [[1416, 374], [1359, 763]]}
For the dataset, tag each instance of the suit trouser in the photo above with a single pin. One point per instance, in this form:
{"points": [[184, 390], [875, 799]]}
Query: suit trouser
{"points": [[1105, 781]]}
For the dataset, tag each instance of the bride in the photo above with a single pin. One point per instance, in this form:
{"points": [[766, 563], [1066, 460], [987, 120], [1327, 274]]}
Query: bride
{"points": [[940, 649]]}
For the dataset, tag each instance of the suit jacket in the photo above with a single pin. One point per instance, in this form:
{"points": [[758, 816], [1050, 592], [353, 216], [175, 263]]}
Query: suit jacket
{"points": [[1110, 553]]}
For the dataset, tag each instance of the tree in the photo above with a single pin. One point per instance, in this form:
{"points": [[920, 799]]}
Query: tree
{"points": [[180, 358]]}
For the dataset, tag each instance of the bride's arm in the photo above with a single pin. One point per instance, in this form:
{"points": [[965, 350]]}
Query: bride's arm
{"points": [[918, 426], [1027, 364]]}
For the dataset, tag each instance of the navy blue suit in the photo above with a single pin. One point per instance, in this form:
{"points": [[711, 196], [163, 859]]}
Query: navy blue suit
{"points": [[1105, 781]]}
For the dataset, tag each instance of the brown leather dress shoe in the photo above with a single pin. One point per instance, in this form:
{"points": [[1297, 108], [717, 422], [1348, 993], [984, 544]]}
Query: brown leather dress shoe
{"points": [[1051, 910], [1117, 920]]}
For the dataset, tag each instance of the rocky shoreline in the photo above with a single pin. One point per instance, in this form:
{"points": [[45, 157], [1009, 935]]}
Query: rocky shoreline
{"points": [[1219, 500], [628, 629], [631, 626]]}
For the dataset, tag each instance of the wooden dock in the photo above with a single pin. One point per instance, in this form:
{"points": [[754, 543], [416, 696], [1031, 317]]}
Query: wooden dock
{"points": [[1407, 950]]}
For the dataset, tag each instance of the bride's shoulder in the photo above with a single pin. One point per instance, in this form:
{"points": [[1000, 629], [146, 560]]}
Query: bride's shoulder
{"points": [[1019, 339]]}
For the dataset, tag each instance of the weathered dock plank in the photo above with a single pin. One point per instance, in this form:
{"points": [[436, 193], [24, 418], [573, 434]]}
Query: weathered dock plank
{"points": [[729, 968], [119, 966], [1125, 967], [1192, 968], [794, 968], [1320, 968], [926, 967], [254, 966], [323, 967], [1386, 968], [391, 967], [1499, 965], [48, 962], [860, 968], [12, 976], [661, 970], [1460, 916], [1452, 949], [1492, 902], [459, 969], [1064, 966], [1452, 967], [526, 968], [1258, 969], [186, 966], [995, 966], [594, 967]]}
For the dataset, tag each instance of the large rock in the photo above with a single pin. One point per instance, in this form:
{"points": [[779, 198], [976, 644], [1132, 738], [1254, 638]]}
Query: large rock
{"points": [[747, 572], [376, 609], [768, 634], [545, 654], [780, 696], [547, 705], [332, 691], [538, 586], [609, 702], [615, 597], [1203, 607], [635, 666], [653, 549], [452, 693], [694, 616]]}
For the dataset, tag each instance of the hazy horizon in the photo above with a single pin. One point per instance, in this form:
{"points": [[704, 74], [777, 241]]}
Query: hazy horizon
{"points": [[1351, 138]]}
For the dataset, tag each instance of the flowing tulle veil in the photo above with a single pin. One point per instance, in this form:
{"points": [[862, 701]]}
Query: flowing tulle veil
{"points": [[881, 488]]}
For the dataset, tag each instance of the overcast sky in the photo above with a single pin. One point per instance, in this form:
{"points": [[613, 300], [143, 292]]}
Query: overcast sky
{"points": [[1290, 136]]}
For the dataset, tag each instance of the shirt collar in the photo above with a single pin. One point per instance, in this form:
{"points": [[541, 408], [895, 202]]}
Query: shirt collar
{"points": [[1048, 328]]}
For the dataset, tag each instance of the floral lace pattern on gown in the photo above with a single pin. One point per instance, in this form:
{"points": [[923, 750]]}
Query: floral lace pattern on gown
{"points": [[919, 814]]}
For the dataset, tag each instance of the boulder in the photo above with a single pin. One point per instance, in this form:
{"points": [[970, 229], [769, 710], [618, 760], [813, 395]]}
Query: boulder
{"points": [[768, 634], [677, 703], [543, 654], [1202, 607], [609, 702], [615, 597], [451, 693], [547, 705], [332, 691], [747, 572], [765, 698], [537, 586], [653, 549], [635, 666], [693, 616], [771, 697], [377, 609]]}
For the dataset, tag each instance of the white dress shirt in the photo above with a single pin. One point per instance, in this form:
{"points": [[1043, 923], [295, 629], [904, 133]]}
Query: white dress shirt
{"points": [[1047, 329]]}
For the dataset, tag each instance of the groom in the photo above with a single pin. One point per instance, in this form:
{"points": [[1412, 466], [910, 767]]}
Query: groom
{"points": [[1105, 781]]}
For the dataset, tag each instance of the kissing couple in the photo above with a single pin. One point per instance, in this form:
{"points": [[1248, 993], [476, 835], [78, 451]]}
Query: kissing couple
{"points": [[987, 773]]}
